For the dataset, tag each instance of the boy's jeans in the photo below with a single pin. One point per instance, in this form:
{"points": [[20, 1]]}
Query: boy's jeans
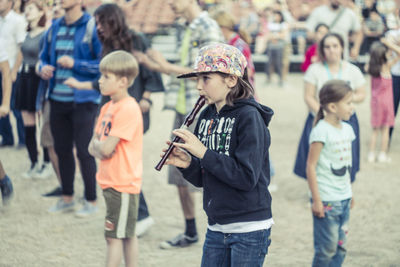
{"points": [[245, 249], [330, 234]]}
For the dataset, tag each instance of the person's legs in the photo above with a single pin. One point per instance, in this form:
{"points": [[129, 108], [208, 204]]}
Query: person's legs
{"points": [[187, 202], [131, 251], [144, 221], [18, 117], [2, 172], [372, 145], [267, 66], [396, 98], [215, 251], [62, 131], [272, 57], [326, 234], [83, 122], [338, 259], [5, 125], [143, 210], [114, 252], [382, 156], [120, 223], [46, 141], [249, 249], [279, 64], [384, 138], [302, 150], [6, 132], [186, 198], [355, 147], [30, 141], [6, 186], [287, 51]]}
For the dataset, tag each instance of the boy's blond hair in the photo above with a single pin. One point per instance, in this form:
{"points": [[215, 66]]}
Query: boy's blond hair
{"points": [[121, 64]]}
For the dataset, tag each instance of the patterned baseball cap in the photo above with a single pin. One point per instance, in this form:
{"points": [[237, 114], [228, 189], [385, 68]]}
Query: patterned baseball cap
{"points": [[218, 57]]}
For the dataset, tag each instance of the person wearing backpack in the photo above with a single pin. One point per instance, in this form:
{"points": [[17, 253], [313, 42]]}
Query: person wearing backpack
{"points": [[72, 49]]}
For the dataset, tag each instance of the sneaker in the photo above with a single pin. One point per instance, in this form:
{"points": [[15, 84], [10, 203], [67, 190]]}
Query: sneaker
{"points": [[371, 157], [7, 191], [56, 192], [179, 241], [62, 206], [88, 209], [43, 172], [143, 226], [383, 158], [31, 172]]}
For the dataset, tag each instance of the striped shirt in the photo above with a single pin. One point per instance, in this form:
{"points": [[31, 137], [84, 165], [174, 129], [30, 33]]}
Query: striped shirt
{"points": [[64, 47]]}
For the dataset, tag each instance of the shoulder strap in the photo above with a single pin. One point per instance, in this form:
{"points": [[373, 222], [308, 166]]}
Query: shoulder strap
{"points": [[338, 16]]}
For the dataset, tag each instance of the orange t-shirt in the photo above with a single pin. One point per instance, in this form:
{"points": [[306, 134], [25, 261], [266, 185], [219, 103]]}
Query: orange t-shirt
{"points": [[123, 171]]}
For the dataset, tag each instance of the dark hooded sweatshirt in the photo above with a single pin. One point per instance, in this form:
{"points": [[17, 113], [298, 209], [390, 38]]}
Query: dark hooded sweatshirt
{"points": [[234, 171]]}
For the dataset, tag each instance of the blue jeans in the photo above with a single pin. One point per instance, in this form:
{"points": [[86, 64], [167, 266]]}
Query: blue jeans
{"points": [[244, 249], [330, 234]]}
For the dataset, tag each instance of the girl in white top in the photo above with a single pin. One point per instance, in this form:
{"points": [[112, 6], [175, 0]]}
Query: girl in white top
{"points": [[332, 66], [329, 166]]}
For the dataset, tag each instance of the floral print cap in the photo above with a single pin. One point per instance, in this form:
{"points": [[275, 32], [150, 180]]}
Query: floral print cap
{"points": [[218, 57]]}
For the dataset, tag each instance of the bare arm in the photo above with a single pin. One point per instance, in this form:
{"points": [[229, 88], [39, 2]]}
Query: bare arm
{"points": [[17, 64], [312, 160], [395, 48], [165, 66], [310, 97], [103, 149], [6, 85], [145, 103], [359, 94], [74, 83], [358, 38]]}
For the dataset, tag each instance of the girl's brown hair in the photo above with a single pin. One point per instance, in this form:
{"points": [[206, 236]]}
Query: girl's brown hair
{"points": [[332, 92], [112, 18], [40, 6], [226, 20], [377, 58], [241, 90]]}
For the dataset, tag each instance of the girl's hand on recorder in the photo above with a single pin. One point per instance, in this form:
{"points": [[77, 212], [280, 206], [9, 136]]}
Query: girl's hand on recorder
{"points": [[178, 157], [190, 143]]}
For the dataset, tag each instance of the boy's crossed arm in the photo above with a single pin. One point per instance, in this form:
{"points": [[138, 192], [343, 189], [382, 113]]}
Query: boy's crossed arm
{"points": [[103, 149]]}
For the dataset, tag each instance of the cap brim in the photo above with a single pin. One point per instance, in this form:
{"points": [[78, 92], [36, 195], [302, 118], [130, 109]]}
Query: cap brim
{"points": [[187, 75]]}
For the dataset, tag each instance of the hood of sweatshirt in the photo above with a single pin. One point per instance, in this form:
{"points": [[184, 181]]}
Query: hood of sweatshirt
{"points": [[266, 112]]}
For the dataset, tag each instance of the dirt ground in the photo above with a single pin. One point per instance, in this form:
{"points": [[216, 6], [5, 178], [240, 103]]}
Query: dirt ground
{"points": [[30, 236]]}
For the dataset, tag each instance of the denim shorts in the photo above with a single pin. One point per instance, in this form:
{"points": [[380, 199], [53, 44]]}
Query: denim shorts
{"points": [[242, 249]]}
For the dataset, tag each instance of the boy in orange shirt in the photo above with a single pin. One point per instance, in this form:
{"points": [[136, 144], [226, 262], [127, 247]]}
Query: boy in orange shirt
{"points": [[117, 142]]}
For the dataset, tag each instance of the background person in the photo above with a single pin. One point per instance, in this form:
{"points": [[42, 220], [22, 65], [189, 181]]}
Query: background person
{"points": [[382, 110], [67, 54], [6, 186], [27, 86], [181, 97], [13, 31], [332, 66]]}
